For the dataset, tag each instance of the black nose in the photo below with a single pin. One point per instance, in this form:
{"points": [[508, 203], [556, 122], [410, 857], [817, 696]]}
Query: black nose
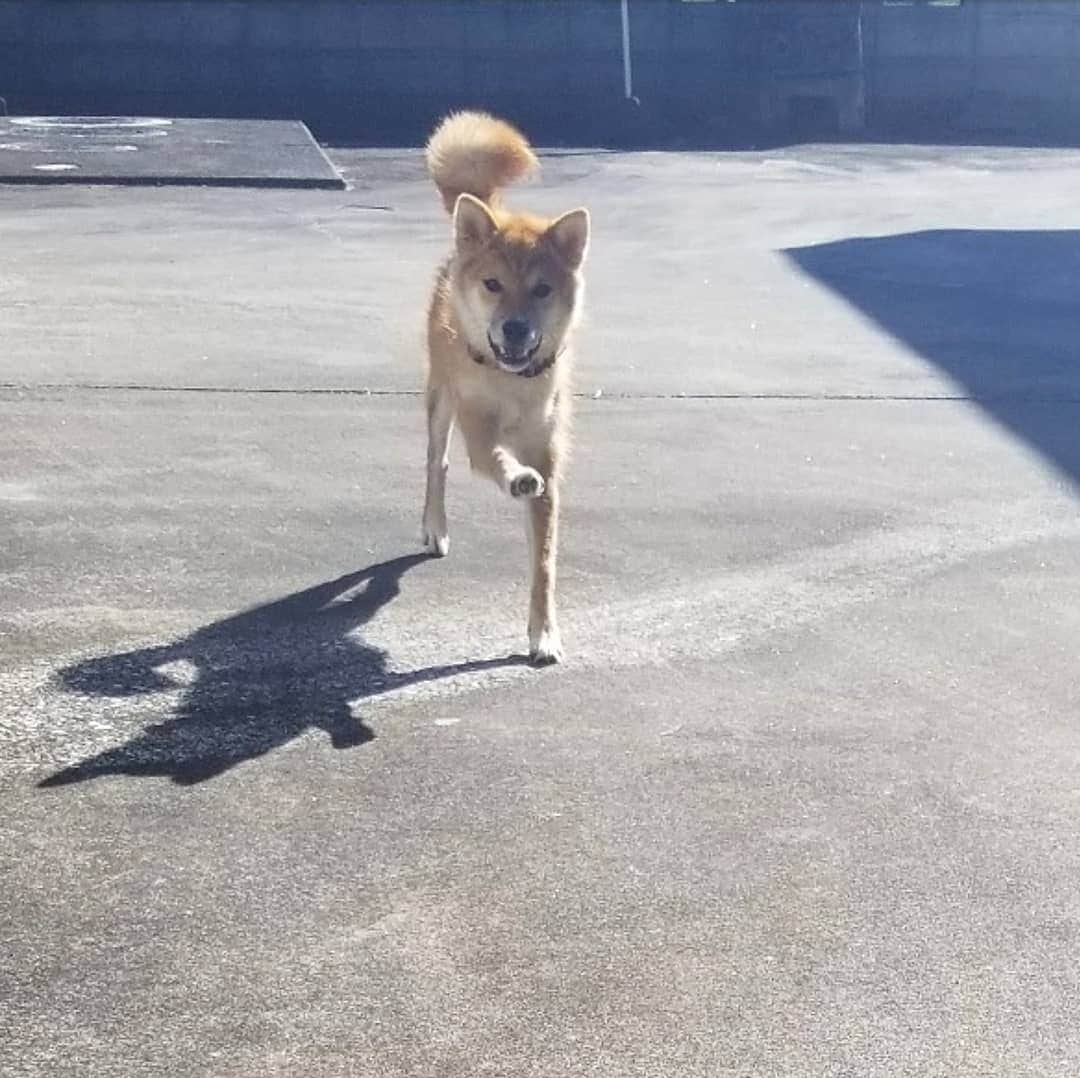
{"points": [[515, 331]]}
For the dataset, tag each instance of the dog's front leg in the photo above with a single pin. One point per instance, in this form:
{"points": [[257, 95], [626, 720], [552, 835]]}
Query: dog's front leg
{"points": [[440, 419], [490, 455], [545, 645], [517, 479]]}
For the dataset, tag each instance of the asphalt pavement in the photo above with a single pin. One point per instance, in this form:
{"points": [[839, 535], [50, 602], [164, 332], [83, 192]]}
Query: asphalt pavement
{"points": [[279, 796]]}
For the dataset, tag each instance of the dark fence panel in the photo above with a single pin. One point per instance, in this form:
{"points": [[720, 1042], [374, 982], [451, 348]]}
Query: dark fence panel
{"points": [[384, 70], [1005, 66]]}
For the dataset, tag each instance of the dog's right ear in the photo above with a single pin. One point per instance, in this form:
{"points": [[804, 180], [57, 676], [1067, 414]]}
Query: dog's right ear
{"points": [[473, 223]]}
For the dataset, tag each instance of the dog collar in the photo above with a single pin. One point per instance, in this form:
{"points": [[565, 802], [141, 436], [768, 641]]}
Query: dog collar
{"points": [[530, 371]]}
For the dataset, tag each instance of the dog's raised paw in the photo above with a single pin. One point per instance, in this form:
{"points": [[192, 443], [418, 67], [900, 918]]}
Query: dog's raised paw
{"points": [[528, 483], [436, 544]]}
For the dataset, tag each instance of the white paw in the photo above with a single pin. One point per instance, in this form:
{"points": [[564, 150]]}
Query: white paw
{"points": [[528, 483], [545, 647], [436, 543]]}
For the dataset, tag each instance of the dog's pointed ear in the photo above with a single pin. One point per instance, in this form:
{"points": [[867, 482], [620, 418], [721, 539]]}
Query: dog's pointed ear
{"points": [[570, 236], [473, 222]]}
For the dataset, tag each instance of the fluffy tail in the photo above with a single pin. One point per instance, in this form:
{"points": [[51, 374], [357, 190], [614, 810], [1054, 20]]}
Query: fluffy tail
{"points": [[473, 153]]}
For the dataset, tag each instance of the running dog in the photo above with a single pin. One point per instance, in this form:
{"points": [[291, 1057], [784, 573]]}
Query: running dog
{"points": [[502, 314]]}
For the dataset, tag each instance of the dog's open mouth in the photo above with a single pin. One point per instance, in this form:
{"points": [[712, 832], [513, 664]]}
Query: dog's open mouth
{"points": [[514, 361]]}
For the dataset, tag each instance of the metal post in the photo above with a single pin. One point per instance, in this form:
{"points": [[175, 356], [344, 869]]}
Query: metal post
{"points": [[628, 72]]}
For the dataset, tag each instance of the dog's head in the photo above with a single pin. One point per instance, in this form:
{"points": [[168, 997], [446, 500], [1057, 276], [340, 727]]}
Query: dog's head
{"points": [[516, 283]]}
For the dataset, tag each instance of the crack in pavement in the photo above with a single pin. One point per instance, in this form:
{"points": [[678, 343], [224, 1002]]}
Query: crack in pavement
{"points": [[316, 391]]}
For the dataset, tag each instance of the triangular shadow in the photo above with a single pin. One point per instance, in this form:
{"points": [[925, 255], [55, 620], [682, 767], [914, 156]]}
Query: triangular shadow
{"points": [[994, 310]]}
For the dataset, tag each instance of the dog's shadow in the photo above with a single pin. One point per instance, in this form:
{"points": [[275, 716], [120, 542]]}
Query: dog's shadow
{"points": [[254, 681]]}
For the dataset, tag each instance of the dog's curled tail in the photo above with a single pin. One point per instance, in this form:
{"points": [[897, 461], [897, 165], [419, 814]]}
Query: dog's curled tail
{"points": [[473, 153]]}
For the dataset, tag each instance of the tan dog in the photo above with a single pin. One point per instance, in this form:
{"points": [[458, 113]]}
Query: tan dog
{"points": [[499, 327]]}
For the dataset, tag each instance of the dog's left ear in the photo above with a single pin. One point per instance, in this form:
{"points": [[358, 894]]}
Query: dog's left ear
{"points": [[570, 236]]}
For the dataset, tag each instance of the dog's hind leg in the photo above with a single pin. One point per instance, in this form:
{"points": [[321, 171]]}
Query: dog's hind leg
{"points": [[545, 644], [440, 420]]}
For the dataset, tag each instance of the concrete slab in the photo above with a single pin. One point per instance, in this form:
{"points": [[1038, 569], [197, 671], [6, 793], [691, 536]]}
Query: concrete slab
{"points": [[154, 151], [277, 795]]}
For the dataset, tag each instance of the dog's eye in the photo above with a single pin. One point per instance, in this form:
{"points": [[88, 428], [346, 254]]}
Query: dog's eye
{"points": [[542, 290], [492, 284]]}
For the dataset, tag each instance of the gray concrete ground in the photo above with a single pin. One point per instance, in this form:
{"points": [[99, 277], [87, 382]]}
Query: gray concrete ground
{"points": [[278, 797]]}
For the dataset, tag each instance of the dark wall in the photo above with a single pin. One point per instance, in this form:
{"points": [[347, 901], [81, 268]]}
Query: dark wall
{"points": [[377, 69], [384, 70], [986, 66]]}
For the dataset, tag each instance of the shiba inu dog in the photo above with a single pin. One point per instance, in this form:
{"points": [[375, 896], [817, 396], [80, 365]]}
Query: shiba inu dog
{"points": [[504, 307]]}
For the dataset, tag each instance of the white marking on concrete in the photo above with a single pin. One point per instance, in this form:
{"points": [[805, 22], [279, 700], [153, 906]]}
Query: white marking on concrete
{"points": [[30, 147], [17, 492], [87, 122], [56, 168]]}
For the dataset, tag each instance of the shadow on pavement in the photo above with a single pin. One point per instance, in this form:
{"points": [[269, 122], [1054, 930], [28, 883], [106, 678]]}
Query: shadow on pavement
{"points": [[996, 311], [257, 680]]}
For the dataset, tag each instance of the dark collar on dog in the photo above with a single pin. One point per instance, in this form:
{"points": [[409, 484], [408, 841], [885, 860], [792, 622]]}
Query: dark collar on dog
{"points": [[530, 371]]}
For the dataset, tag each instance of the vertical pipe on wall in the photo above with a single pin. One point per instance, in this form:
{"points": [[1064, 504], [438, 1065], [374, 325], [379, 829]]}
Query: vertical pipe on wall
{"points": [[628, 71], [860, 105]]}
